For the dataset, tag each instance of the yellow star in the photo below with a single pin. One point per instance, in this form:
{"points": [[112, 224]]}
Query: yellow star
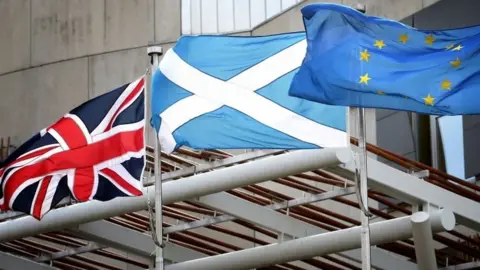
{"points": [[380, 92], [429, 39], [449, 46], [364, 55], [456, 63], [458, 48], [404, 38], [364, 79], [446, 84], [379, 44], [429, 100]]}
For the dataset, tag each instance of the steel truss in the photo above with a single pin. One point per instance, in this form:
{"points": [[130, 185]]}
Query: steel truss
{"points": [[225, 208]]}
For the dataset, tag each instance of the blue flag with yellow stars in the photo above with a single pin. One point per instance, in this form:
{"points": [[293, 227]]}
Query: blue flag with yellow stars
{"points": [[363, 61]]}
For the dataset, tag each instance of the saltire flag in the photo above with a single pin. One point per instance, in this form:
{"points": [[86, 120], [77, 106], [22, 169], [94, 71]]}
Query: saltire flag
{"points": [[224, 92], [364, 61], [94, 152]]}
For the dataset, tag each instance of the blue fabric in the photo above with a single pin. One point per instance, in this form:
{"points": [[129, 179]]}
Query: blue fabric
{"points": [[402, 75], [224, 57]]}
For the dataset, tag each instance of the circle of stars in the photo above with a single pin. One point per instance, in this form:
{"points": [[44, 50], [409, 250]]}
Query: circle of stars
{"points": [[403, 38]]}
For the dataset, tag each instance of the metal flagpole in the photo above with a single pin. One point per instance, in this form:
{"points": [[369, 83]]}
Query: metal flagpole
{"points": [[362, 184], [363, 200], [155, 52]]}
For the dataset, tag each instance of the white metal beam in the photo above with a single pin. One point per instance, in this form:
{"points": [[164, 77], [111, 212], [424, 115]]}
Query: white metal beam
{"points": [[176, 253], [183, 189], [250, 156], [173, 253], [14, 214], [423, 239], [258, 215], [311, 198], [317, 245], [463, 266], [109, 234], [273, 220], [413, 190], [13, 262], [92, 246], [276, 206], [380, 259], [116, 236]]}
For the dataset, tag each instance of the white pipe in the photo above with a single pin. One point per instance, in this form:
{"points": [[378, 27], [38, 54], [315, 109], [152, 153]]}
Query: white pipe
{"points": [[423, 238], [317, 245], [269, 168]]}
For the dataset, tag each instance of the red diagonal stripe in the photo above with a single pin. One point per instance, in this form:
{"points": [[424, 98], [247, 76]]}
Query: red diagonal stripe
{"points": [[132, 95], [27, 156], [41, 193], [70, 132], [83, 183], [121, 182], [86, 156]]}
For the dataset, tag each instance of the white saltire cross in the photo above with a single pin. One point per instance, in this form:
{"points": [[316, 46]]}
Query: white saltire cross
{"points": [[210, 93]]}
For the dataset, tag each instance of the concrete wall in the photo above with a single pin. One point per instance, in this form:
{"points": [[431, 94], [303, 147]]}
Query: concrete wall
{"points": [[56, 54]]}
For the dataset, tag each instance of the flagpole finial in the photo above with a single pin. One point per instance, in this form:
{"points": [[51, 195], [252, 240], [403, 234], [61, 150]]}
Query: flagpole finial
{"points": [[152, 50], [361, 7]]}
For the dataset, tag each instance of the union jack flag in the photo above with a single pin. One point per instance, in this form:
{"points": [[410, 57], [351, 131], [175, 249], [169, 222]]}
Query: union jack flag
{"points": [[94, 152]]}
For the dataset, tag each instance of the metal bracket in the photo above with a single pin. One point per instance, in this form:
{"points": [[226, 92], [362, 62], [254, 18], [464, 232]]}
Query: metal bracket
{"points": [[421, 174]]}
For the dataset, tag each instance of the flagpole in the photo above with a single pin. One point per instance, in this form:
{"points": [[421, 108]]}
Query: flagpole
{"points": [[362, 169], [363, 183], [155, 52]]}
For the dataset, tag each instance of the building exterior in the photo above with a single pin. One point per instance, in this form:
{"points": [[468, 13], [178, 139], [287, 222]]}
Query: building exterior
{"points": [[56, 54], [70, 51]]}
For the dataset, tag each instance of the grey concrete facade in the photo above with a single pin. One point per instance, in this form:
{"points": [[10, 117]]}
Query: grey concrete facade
{"points": [[55, 55], [101, 44]]}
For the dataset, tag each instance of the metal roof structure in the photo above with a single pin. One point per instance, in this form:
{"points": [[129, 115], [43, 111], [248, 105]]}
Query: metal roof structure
{"points": [[308, 203], [309, 214]]}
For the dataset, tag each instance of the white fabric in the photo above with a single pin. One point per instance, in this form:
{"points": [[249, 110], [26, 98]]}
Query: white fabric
{"points": [[211, 93]]}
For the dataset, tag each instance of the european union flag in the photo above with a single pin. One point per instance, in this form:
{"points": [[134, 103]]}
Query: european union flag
{"points": [[363, 61], [232, 92]]}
